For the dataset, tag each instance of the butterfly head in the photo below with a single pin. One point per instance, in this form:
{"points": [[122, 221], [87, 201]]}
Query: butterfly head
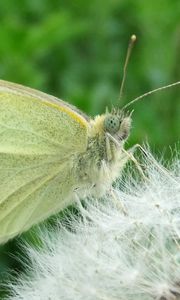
{"points": [[117, 125]]}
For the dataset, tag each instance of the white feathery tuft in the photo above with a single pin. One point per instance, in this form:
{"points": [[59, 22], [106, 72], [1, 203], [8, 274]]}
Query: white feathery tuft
{"points": [[124, 247]]}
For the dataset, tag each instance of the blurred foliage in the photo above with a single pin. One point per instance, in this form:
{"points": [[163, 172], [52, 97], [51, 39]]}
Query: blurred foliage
{"points": [[75, 50]]}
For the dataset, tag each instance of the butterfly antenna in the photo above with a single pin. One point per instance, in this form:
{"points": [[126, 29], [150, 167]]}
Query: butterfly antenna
{"points": [[129, 50], [151, 92]]}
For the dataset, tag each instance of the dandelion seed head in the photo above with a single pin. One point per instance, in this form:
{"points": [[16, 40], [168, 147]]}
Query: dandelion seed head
{"points": [[124, 247]]}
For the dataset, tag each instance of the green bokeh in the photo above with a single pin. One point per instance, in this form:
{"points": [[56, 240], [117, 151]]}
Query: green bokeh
{"points": [[75, 50]]}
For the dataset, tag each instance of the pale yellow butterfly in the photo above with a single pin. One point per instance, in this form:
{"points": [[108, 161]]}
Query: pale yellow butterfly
{"points": [[50, 152]]}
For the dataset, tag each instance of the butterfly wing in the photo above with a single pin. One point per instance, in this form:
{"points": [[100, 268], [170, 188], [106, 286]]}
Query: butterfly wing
{"points": [[39, 138]]}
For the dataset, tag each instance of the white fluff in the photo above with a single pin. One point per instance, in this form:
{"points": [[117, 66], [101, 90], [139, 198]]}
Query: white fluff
{"points": [[125, 247]]}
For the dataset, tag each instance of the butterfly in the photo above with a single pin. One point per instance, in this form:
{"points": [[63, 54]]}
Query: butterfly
{"points": [[51, 153]]}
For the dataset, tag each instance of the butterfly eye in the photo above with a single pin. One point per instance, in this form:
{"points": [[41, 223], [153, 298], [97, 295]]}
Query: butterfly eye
{"points": [[111, 124]]}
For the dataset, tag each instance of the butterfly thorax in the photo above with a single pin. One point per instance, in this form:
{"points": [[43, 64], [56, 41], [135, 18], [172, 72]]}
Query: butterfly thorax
{"points": [[104, 158]]}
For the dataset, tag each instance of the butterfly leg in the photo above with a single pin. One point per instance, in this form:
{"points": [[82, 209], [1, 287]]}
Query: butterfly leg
{"points": [[137, 146], [129, 153]]}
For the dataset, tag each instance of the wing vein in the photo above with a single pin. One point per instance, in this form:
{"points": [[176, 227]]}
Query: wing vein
{"points": [[32, 191], [29, 131]]}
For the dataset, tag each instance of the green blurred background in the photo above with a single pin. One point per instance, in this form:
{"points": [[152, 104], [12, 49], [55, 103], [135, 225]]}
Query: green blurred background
{"points": [[75, 50]]}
